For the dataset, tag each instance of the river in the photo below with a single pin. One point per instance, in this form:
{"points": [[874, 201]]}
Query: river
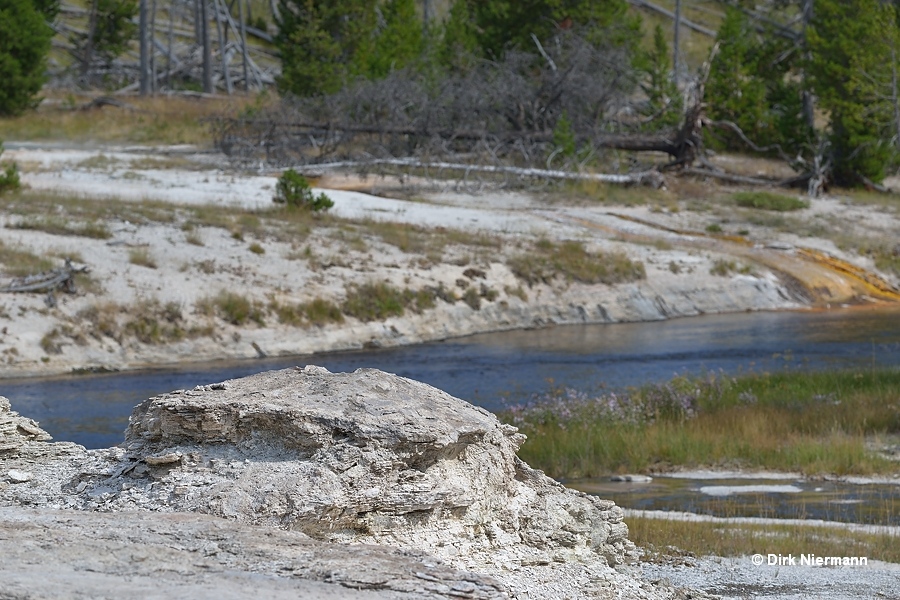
{"points": [[495, 368]]}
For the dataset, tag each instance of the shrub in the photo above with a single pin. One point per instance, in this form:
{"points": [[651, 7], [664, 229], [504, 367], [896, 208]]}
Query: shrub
{"points": [[294, 191], [10, 179]]}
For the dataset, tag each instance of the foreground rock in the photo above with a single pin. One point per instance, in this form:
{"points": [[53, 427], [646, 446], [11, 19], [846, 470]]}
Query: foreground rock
{"points": [[362, 458]]}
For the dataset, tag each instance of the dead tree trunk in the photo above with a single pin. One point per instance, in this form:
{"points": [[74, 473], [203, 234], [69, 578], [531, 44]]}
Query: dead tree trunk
{"points": [[207, 48], [145, 65], [223, 55], [87, 51], [244, 45]]}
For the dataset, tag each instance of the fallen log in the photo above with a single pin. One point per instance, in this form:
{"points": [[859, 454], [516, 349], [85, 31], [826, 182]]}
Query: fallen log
{"points": [[48, 281]]}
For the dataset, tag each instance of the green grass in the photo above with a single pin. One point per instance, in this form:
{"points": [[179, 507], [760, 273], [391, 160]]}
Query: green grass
{"points": [[572, 262], [663, 538], [815, 423], [232, 308], [317, 311], [769, 201], [380, 301], [724, 268]]}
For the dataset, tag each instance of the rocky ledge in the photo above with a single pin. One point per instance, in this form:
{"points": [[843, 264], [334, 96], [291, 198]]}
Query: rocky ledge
{"points": [[338, 485]]}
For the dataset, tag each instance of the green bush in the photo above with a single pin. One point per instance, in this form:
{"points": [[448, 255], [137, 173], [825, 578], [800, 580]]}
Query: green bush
{"points": [[9, 180], [24, 43], [293, 190]]}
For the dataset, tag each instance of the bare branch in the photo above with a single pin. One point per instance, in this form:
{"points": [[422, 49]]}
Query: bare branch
{"points": [[546, 56], [733, 127]]}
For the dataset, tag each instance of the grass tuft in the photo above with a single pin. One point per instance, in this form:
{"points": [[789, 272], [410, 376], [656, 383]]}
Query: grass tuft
{"points": [[380, 301], [572, 262], [232, 308], [317, 311], [142, 258], [769, 201]]}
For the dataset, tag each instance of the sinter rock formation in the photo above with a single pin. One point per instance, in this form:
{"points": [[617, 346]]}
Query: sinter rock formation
{"points": [[271, 477]]}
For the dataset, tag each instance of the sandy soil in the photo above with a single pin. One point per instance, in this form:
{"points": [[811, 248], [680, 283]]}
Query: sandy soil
{"points": [[187, 261]]}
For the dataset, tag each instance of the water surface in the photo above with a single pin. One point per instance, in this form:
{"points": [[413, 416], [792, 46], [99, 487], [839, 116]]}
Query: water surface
{"points": [[491, 369]]}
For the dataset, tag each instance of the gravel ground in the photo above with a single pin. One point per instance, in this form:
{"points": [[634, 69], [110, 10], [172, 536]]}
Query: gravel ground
{"points": [[740, 579]]}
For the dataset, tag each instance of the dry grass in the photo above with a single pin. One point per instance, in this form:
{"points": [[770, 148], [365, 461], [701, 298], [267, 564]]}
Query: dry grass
{"points": [[36, 205], [420, 240], [807, 422], [149, 321], [60, 226], [142, 258], [661, 538], [569, 260], [157, 120], [233, 308], [18, 262]]}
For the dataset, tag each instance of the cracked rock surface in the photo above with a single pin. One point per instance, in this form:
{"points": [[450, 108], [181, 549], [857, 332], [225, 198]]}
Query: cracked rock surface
{"points": [[268, 476]]}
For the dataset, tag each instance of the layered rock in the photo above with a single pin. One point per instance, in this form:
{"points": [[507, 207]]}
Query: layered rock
{"points": [[366, 457]]}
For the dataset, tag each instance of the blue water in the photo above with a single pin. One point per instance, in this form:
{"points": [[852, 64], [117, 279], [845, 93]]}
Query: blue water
{"points": [[491, 369]]}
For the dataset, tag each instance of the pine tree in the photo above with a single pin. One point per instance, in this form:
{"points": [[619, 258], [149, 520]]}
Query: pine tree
{"points": [[457, 43], [24, 43], [322, 43], [501, 24], [326, 43], [850, 47], [398, 40], [664, 102], [753, 84], [110, 28]]}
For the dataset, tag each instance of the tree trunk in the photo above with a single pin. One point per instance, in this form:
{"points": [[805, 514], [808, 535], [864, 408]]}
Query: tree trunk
{"points": [[152, 46], [207, 48], [145, 64], [676, 58], [222, 54], [87, 52], [244, 44]]}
